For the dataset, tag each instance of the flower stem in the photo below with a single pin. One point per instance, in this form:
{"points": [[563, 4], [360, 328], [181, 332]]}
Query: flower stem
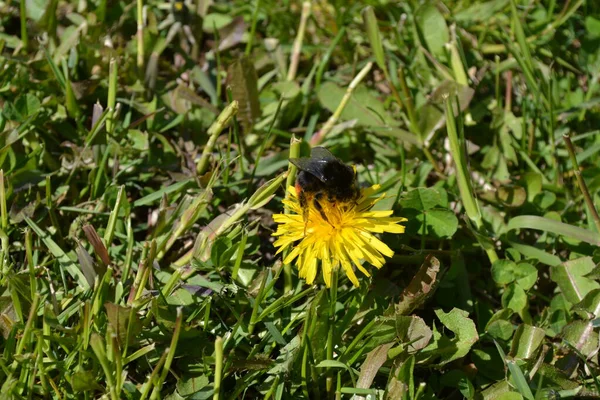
{"points": [[320, 135], [332, 303], [295, 58], [140, 36], [294, 153], [112, 95], [218, 367], [213, 133], [581, 183]]}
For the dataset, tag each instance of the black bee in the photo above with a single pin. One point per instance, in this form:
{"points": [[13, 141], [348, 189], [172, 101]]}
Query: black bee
{"points": [[324, 177]]}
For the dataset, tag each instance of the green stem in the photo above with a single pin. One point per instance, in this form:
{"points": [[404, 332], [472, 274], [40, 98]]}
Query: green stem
{"points": [[3, 209], [23, 15], [297, 49], [319, 136], [213, 133], [294, 153], [140, 36], [332, 302], [170, 356], [582, 186], [112, 95], [252, 28], [218, 367]]}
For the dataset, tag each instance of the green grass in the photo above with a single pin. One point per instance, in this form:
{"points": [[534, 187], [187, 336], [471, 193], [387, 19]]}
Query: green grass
{"points": [[144, 147]]}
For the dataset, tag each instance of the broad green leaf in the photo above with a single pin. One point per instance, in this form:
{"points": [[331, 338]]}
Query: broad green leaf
{"points": [[500, 326], [445, 349], [533, 183], [242, 78], [190, 386], [514, 297], [526, 342], [458, 379], [545, 199], [488, 362], [432, 26], [84, 381], [592, 26], [362, 106], [510, 396], [503, 271], [501, 329], [582, 336], [423, 199], [590, 304], [441, 223], [123, 319], [481, 11], [526, 275], [571, 278]]}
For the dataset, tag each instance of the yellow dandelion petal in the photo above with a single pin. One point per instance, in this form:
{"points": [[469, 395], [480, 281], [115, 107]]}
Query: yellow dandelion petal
{"points": [[336, 236], [290, 257], [347, 265]]}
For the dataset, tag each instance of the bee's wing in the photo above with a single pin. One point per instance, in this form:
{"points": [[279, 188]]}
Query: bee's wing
{"points": [[312, 166], [321, 153]]}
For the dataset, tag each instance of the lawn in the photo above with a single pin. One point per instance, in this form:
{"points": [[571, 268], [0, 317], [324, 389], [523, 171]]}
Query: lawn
{"points": [[440, 242]]}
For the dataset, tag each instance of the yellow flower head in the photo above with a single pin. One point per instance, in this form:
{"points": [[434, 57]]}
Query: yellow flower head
{"points": [[345, 238]]}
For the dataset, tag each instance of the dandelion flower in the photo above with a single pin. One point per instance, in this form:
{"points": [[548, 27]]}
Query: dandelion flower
{"points": [[346, 238]]}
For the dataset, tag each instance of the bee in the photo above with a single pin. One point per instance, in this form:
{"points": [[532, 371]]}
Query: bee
{"points": [[324, 177]]}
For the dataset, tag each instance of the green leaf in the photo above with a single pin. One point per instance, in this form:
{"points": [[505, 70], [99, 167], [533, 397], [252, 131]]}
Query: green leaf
{"points": [[526, 342], [442, 223], [243, 80], [514, 297], [499, 326], [582, 336], [549, 225], [481, 11], [526, 275], [510, 396], [516, 374], [194, 385], [62, 257], [157, 195], [590, 304], [370, 21], [84, 381], [450, 349], [571, 278], [503, 271], [458, 379], [362, 106], [423, 199], [123, 319], [488, 363], [535, 253], [432, 26], [533, 183], [544, 200], [592, 26], [401, 381]]}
